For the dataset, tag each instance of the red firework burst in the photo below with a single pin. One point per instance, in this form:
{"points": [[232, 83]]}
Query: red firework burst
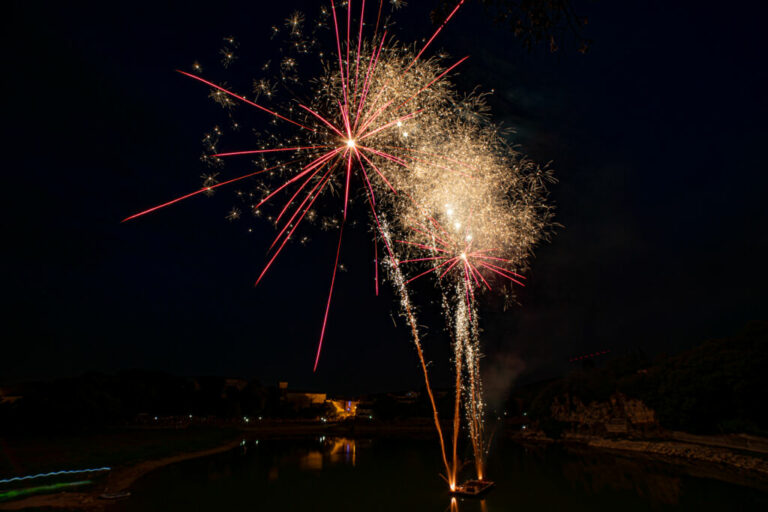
{"points": [[357, 120]]}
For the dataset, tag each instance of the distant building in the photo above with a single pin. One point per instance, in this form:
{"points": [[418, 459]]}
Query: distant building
{"points": [[9, 396], [304, 400], [239, 384], [300, 400], [344, 409]]}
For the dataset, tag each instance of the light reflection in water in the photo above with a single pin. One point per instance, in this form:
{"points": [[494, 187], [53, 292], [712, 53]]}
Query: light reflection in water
{"points": [[454, 506], [345, 450], [312, 461], [339, 450]]}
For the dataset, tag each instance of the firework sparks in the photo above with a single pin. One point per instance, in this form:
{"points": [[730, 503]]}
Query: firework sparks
{"points": [[382, 122], [473, 231], [349, 130]]}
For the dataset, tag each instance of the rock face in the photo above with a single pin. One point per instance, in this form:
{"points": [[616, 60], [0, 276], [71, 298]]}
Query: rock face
{"points": [[617, 415]]}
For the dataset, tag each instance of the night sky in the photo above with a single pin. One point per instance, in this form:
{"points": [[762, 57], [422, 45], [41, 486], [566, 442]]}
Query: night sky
{"points": [[657, 136]]}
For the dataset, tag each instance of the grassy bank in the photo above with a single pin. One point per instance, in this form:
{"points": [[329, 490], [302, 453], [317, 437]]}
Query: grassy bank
{"points": [[25, 455]]}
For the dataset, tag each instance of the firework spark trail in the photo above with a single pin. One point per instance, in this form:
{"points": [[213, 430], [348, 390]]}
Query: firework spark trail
{"points": [[312, 166], [405, 303], [259, 151], [456, 413], [408, 68], [376, 265], [424, 48], [466, 365], [371, 66], [474, 402], [458, 366], [330, 294], [322, 183], [462, 254], [359, 45], [201, 191], [442, 26], [244, 100], [458, 353]]}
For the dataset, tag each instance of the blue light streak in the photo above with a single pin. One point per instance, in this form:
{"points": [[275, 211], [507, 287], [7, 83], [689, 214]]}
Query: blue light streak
{"points": [[54, 473]]}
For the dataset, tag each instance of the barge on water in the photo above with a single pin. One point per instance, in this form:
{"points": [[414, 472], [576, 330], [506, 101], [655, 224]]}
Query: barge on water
{"points": [[472, 488]]}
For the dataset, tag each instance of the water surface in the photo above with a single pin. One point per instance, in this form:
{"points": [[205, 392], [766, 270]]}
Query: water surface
{"points": [[341, 474]]}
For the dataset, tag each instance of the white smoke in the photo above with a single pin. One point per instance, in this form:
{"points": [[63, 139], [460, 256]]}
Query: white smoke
{"points": [[499, 374]]}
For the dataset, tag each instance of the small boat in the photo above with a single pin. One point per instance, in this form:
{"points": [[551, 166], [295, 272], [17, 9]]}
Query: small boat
{"points": [[472, 488], [115, 495]]}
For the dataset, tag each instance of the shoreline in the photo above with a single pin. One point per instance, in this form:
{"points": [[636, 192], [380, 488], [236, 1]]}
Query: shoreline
{"points": [[700, 461], [739, 467], [118, 480]]}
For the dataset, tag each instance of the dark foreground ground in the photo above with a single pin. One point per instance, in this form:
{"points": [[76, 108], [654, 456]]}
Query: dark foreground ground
{"points": [[33, 454]]}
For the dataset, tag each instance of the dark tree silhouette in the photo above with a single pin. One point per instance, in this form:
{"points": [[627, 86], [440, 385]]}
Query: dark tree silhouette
{"points": [[715, 388], [554, 23]]}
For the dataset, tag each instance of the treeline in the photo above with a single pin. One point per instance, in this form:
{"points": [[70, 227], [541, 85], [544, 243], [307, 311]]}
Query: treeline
{"points": [[95, 400], [718, 387]]}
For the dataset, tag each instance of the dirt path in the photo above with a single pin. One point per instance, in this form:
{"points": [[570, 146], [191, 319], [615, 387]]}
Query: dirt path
{"points": [[118, 480]]}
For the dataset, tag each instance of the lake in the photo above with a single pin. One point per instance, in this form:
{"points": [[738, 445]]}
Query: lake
{"points": [[344, 474]]}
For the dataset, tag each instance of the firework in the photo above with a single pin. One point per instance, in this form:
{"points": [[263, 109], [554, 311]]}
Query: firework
{"points": [[381, 123], [472, 220], [367, 99]]}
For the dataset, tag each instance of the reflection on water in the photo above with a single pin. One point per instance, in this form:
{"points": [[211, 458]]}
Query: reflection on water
{"points": [[454, 506], [593, 475], [333, 450], [339, 474]]}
